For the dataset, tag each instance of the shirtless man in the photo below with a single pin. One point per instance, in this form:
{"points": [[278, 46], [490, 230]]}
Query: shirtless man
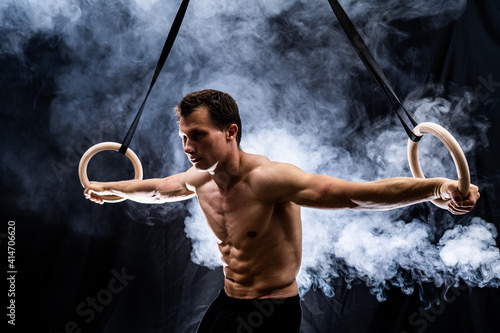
{"points": [[253, 206]]}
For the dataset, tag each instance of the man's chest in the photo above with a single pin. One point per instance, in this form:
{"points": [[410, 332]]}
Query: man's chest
{"points": [[236, 213]]}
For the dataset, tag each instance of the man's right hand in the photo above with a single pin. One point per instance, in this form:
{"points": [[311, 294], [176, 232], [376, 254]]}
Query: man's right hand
{"points": [[94, 191]]}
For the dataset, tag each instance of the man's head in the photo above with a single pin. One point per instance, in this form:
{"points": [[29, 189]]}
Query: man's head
{"points": [[222, 108], [209, 125]]}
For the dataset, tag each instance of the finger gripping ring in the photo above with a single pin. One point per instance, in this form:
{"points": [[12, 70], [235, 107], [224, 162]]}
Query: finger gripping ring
{"points": [[84, 161], [456, 153]]}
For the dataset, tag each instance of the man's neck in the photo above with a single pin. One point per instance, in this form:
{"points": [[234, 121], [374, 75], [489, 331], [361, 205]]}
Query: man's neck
{"points": [[228, 172]]}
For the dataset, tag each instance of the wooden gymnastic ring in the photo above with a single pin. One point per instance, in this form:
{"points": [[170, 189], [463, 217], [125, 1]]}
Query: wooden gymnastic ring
{"points": [[456, 153], [84, 161]]}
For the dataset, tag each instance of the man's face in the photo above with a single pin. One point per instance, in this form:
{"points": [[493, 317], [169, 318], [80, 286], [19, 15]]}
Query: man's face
{"points": [[203, 143]]}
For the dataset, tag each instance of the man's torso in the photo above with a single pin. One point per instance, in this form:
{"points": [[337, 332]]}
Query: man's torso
{"points": [[259, 239]]}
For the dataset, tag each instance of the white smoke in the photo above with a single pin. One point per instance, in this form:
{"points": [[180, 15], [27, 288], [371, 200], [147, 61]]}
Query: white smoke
{"points": [[470, 253]]}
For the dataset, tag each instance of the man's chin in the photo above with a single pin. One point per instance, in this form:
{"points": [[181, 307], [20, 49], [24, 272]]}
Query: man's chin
{"points": [[203, 167], [200, 169], [200, 166]]}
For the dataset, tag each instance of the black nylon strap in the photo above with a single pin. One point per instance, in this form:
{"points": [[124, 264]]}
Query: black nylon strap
{"points": [[163, 57], [372, 66]]}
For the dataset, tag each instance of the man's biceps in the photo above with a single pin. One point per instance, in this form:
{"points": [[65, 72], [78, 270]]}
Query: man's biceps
{"points": [[296, 192], [174, 182]]}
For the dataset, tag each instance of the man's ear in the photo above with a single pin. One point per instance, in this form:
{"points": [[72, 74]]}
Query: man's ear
{"points": [[231, 132]]}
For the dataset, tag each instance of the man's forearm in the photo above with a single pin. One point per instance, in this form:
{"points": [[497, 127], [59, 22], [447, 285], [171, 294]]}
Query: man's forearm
{"points": [[377, 195], [144, 191], [396, 192], [156, 190]]}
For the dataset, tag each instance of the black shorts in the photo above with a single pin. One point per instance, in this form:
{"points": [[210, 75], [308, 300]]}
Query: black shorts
{"points": [[233, 315]]}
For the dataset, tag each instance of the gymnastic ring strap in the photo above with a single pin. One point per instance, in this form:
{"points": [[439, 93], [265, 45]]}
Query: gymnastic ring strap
{"points": [[372, 66], [84, 161], [416, 134], [169, 42], [456, 153], [123, 148]]}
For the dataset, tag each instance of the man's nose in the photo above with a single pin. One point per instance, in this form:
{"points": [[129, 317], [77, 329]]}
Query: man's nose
{"points": [[188, 147]]}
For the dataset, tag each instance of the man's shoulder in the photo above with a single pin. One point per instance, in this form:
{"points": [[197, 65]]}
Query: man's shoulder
{"points": [[259, 165], [254, 161], [193, 178], [263, 172], [272, 181]]}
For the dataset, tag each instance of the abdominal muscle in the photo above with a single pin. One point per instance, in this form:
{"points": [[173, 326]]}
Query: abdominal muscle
{"points": [[261, 277], [264, 262]]}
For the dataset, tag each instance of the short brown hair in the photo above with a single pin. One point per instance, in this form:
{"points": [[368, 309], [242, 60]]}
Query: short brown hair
{"points": [[222, 108]]}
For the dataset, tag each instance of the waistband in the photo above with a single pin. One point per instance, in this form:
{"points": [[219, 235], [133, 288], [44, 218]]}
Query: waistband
{"points": [[250, 301]]}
